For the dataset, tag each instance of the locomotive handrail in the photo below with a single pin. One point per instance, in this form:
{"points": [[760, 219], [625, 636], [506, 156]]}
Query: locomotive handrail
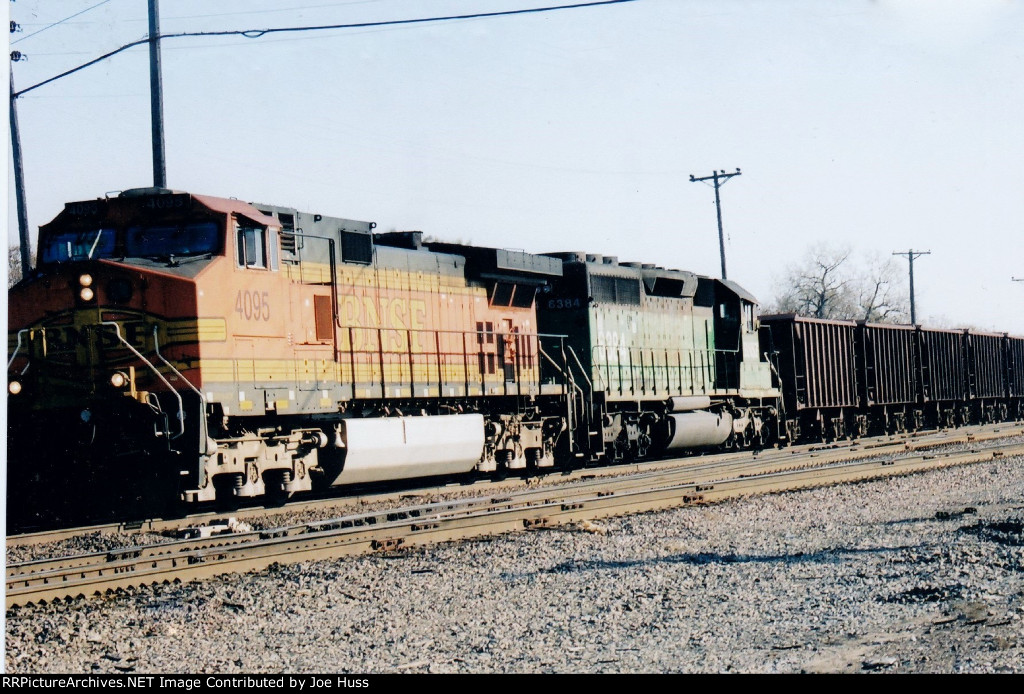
{"points": [[702, 371], [583, 371], [17, 348], [565, 374], [202, 419], [553, 362], [385, 345], [590, 387], [570, 381], [782, 401], [147, 362]]}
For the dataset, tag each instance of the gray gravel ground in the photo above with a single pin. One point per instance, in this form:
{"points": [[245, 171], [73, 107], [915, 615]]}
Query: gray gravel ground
{"points": [[887, 576]]}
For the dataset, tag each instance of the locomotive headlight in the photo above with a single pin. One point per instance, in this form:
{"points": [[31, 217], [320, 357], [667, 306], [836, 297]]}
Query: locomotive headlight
{"points": [[85, 280], [118, 380], [87, 294], [14, 387]]}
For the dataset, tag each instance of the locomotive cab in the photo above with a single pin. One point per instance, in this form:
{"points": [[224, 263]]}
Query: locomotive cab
{"points": [[736, 335], [104, 341]]}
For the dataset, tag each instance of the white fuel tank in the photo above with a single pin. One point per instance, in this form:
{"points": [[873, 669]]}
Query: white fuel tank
{"points": [[698, 429], [403, 447]]}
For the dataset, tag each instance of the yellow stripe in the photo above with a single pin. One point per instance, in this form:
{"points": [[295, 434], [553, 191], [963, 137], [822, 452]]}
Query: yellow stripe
{"points": [[385, 278], [212, 329], [327, 372], [202, 329]]}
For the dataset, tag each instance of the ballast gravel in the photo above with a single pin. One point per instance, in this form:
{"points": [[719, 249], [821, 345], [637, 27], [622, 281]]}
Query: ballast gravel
{"points": [[913, 574]]}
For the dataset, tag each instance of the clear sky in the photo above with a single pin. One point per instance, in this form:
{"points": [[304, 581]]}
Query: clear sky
{"points": [[885, 125]]}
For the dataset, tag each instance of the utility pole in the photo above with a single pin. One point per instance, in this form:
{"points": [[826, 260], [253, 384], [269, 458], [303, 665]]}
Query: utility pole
{"points": [[911, 254], [719, 178], [19, 184], [156, 97]]}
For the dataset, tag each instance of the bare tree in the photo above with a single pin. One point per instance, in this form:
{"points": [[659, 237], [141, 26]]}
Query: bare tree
{"points": [[13, 265], [827, 283], [881, 297], [818, 286]]}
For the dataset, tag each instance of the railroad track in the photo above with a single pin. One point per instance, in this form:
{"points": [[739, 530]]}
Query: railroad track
{"points": [[786, 456], [392, 529]]}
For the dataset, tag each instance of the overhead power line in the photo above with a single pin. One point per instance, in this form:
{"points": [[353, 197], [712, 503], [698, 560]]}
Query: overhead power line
{"points": [[257, 33], [50, 26]]}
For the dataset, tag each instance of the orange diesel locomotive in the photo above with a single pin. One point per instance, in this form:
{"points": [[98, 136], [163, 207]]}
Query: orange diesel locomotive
{"points": [[229, 350]]}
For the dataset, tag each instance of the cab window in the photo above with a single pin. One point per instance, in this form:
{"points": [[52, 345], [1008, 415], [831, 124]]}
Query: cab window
{"points": [[257, 246], [77, 245], [252, 250], [164, 240]]}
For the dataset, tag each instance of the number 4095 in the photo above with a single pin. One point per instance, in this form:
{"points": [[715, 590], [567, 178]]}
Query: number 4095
{"points": [[253, 305]]}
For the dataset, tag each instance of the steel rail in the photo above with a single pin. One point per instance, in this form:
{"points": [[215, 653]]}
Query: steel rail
{"points": [[716, 462], [648, 477], [431, 523]]}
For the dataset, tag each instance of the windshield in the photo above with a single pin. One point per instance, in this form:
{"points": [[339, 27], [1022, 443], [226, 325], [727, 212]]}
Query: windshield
{"points": [[172, 239], [77, 245]]}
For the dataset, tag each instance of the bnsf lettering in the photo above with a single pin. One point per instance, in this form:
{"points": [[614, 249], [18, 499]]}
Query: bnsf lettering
{"points": [[66, 339], [253, 305], [135, 333], [69, 338], [398, 314]]}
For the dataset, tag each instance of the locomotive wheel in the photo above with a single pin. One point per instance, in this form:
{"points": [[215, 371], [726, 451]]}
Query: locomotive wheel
{"points": [[276, 480], [225, 486]]}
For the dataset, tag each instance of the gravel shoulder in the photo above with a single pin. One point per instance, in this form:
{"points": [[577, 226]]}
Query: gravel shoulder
{"points": [[915, 574]]}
